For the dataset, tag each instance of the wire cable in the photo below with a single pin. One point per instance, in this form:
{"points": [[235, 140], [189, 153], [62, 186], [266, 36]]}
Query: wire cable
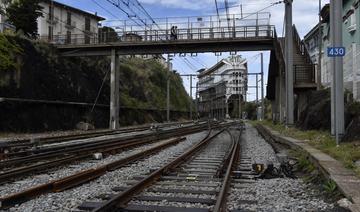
{"points": [[106, 10]]}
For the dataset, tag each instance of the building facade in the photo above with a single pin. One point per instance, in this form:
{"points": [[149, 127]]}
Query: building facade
{"points": [[351, 41], [221, 86], [65, 24]]}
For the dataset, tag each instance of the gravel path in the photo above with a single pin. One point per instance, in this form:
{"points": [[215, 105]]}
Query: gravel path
{"points": [[71, 199], [280, 194]]}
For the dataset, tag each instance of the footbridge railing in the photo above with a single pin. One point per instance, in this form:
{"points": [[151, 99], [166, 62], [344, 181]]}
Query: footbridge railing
{"points": [[185, 29]]}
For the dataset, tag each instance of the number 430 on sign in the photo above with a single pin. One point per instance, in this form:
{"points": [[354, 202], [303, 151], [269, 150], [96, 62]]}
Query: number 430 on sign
{"points": [[336, 51]]}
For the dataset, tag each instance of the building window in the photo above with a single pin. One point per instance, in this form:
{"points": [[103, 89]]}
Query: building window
{"points": [[51, 12], [68, 20], [68, 37], [87, 24], [50, 33]]}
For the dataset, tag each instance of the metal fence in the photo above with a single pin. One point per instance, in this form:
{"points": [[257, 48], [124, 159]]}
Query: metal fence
{"points": [[187, 29], [223, 33], [304, 74]]}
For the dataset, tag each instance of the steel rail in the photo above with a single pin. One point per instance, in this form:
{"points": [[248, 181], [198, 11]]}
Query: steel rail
{"points": [[120, 200], [221, 198], [8, 175], [79, 178], [62, 138], [95, 146]]}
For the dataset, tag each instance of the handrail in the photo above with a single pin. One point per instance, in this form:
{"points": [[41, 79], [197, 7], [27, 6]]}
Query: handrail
{"points": [[301, 45], [183, 34]]}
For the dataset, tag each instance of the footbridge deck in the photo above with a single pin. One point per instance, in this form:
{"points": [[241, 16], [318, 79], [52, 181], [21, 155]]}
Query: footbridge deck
{"points": [[196, 40], [173, 35]]}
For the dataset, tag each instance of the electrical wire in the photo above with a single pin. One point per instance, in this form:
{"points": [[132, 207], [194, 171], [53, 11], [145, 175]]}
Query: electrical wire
{"points": [[99, 92], [271, 5], [147, 14], [106, 10], [227, 12], [217, 11], [117, 5]]}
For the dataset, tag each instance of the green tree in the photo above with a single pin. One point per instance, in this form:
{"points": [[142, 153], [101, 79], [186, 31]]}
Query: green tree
{"points": [[23, 14]]}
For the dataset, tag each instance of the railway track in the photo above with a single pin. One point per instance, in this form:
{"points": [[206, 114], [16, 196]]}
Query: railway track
{"points": [[19, 147], [197, 180], [79, 178], [22, 166]]}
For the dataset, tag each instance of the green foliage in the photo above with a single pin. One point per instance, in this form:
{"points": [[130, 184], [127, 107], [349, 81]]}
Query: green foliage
{"points": [[143, 84], [8, 51], [330, 186], [23, 14], [250, 108], [347, 153], [107, 34]]}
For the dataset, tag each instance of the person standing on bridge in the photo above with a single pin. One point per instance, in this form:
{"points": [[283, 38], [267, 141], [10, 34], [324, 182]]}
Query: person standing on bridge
{"points": [[173, 34]]}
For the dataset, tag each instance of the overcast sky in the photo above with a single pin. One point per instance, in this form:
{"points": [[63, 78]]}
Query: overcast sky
{"points": [[305, 17]]}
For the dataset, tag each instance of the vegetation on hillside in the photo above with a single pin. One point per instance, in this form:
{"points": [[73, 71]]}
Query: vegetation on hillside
{"points": [[8, 53], [34, 70]]}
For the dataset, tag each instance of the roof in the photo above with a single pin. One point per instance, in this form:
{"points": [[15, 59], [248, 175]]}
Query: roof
{"points": [[313, 31], [217, 66], [77, 10], [212, 69]]}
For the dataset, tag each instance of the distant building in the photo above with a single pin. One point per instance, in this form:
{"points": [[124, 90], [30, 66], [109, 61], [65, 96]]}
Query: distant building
{"points": [[220, 86], [4, 25], [65, 24], [311, 41], [351, 35]]}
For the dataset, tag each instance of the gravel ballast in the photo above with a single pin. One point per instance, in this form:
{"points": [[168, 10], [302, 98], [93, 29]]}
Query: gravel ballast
{"points": [[280, 194], [69, 200]]}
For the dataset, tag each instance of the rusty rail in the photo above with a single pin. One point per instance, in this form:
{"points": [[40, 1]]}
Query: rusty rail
{"points": [[232, 160], [78, 178], [121, 199]]}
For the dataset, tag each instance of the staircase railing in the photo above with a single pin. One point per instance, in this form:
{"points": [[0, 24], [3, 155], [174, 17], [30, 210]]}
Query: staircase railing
{"points": [[301, 46]]}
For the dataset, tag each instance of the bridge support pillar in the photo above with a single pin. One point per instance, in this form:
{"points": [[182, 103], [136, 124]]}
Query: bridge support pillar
{"points": [[114, 91], [289, 73]]}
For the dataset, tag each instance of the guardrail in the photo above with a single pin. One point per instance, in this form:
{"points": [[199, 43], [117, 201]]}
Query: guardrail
{"points": [[304, 74], [191, 34]]}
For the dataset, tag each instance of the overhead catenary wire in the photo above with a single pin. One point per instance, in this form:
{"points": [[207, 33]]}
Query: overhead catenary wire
{"points": [[106, 10], [117, 5], [147, 14], [217, 12]]}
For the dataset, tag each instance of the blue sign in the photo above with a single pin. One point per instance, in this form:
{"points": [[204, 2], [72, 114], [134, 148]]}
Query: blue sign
{"points": [[336, 51]]}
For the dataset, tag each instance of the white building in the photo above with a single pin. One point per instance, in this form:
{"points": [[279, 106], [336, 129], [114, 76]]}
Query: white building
{"points": [[65, 24], [221, 85]]}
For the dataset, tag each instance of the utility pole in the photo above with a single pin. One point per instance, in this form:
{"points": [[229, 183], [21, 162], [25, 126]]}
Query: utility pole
{"points": [[262, 87], [191, 98], [337, 97], [320, 49], [257, 91], [168, 91], [289, 73], [197, 101], [114, 91]]}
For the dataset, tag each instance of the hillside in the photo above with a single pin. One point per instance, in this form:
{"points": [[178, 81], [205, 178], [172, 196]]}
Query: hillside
{"points": [[34, 70]]}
